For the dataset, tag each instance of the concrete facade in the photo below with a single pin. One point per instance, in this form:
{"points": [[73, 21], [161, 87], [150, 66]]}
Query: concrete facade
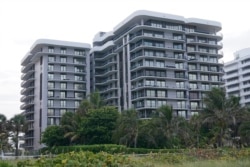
{"points": [[148, 60], [53, 82], [237, 76], [151, 59]]}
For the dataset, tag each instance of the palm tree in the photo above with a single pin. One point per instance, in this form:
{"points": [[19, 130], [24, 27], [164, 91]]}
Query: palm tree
{"points": [[3, 131], [244, 131], [72, 126], [16, 125], [221, 113], [93, 101], [127, 128], [174, 129]]}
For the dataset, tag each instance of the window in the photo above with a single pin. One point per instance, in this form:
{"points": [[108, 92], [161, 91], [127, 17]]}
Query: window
{"points": [[78, 78], [161, 103], [214, 68], [77, 104], [204, 77], [161, 93], [149, 53], [150, 103], [50, 103], [63, 103], [179, 65], [63, 50], [50, 67], [178, 46], [50, 93], [51, 49], [192, 76], [201, 49], [79, 86], [161, 83], [214, 77], [51, 121], [151, 93], [63, 59], [160, 64], [181, 104], [50, 76], [204, 68], [63, 94], [63, 85], [182, 113], [150, 83], [51, 112], [179, 75], [179, 84], [193, 95], [193, 85], [149, 63], [79, 52], [63, 68], [51, 58], [191, 57], [178, 55], [192, 67], [180, 94], [203, 58], [62, 111], [213, 59], [63, 76], [194, 105], [79, 69], [205, 86], [190, 48], [79, 95], [78, 61], [51, 85]]}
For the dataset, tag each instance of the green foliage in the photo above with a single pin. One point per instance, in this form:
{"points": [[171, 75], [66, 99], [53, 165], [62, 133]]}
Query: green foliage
{"points": [[109, 148], [16, 125], [83, 159], [54, 136], [127, 128], [99, 125], [222, 115], [5, 164]]}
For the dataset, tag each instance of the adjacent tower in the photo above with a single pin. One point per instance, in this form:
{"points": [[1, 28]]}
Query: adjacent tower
{"points": [[237, 76], [54, 80], [151, 59]]}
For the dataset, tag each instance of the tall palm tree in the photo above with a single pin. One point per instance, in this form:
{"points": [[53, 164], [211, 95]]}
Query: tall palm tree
{"points": [[174, 129], [72, 126], [127, 128], [93, 101], [221, 112], [16, 125], [3, 132]]}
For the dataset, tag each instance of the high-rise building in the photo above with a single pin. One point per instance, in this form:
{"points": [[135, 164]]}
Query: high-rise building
{"points": [[54, 81], [237, 74], [148, 60], [151, 59]]}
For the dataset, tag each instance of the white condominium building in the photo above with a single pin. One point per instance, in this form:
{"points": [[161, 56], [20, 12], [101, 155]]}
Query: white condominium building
{"points": [[54, 81], [237, 76], [151, 59]]}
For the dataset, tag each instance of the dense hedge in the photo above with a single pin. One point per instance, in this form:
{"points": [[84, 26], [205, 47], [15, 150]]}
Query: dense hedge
{"points": [[109, 148]]}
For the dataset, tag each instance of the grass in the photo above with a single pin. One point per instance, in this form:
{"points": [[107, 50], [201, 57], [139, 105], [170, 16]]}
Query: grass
{"points": [[200, 158], [203, 163]]}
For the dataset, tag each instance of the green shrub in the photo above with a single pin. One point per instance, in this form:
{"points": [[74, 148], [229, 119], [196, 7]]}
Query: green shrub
{"points": [[84, 159], [5, 164]]}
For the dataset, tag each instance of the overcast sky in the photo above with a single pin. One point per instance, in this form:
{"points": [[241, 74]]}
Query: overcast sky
{"points": [[22, 22]]}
